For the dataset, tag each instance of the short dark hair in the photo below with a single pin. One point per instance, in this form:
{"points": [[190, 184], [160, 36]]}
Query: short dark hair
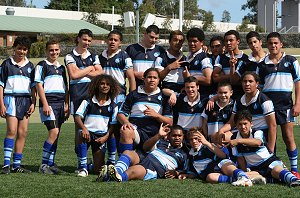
{"points": [[174, 33], [252, 34], [117, 32], [216, 38], [82, 32], [274, 35], [224, 84], [150, 70], [195, 32], [233, 32], [194, 130], [22, 41], [52, 42], [176, 127], [152, 28], [243, 115], [255, 76], [191, 79]]}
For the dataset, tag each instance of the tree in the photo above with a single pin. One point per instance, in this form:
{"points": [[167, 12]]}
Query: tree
{"points": [[244, 26], [252, 15], [226, 16], [16, 3], [208, 18]]}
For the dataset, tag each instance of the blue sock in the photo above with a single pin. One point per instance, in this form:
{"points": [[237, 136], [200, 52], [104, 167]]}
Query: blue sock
{"points": [[225, 150], [17, 157], [46, 152], [52, 155], [287, 177], [224, 179], [239, 173], [293, 157], [82, 155], [124, 177], [8, 148], [124, 147], [123, 163], [111, 150]]}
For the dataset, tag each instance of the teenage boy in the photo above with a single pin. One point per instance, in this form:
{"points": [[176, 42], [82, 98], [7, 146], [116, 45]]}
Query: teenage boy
{"points": [[249, 147], [144, 54], [226, 64], [17, 103], [279, 73], [52, 87]]}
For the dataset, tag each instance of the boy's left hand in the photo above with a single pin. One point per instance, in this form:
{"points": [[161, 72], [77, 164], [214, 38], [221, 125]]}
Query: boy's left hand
{"points": [[66, 111], [30, 110], [296, 110]]}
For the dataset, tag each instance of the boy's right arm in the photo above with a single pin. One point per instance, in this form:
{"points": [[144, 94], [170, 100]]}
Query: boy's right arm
{"points": [[41, 93], [2, 106], [85, 133]]}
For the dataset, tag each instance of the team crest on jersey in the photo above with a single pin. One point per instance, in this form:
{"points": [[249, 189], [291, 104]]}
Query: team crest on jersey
{"points": [[178, 154], [29, 70], [159, 97], [149, 99], [117, 60], [255, 106], [225, 116], [156, 54], [287, 64], [196, 62]]}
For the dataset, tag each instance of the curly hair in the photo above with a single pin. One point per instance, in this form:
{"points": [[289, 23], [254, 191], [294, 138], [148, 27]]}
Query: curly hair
{"points": [[95, 84]]}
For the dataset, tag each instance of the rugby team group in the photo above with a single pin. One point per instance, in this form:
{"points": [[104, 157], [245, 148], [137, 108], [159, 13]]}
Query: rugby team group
{"points": [[211, 114]]}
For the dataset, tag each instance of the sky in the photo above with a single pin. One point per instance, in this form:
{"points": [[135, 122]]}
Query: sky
{"points": [[216, 6]]}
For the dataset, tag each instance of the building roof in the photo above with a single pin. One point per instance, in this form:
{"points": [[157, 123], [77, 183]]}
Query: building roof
{"points": [[46, 25]]}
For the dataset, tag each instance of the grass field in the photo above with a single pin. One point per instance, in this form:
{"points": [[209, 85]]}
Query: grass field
{"points": [[68, 185]]}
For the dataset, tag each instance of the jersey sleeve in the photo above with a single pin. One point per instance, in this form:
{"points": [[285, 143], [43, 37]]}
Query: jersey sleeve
{"points": [[82, 110], [31, 74], [259, 135], [268, 107], [69, 60], [167, 109], [296, 71], [234, 110], [158, 64], [39, 75], [206, 64], [3, 76], [114, 115], [126, 106], [96, 61], [127, 61], [218, 62]]}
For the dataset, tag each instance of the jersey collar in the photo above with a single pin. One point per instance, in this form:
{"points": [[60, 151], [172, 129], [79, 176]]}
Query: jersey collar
{"points": [[230, 102], [94, 100], [185, 99], [141, 90], [194, 55], [25, 62], [243, 99], [236, 56], [268, 61], [172, 56], [193, 152], [145, 47], [252, 58], [105, 55], [56, 66], [88, 53]]}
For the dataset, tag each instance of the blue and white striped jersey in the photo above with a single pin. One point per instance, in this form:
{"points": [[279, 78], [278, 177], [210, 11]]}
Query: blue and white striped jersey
{"points": [[135, 105], [260, 106], [54, 81], [17, 80], [174, 80], [277, 80], [199, 61], [254, 156], [116, 66], [169, 157], [97, 117], [143, 58], [251, 66], [79, 87], [187, 114], [222, 62], [217, 117]]}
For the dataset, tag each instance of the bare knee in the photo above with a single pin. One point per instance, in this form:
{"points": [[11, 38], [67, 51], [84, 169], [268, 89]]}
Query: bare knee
{"points": [[126, 135], [212, 178]]}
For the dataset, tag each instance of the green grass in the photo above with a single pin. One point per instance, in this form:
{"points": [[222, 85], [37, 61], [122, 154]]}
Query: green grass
{"points": [[68, 185]]}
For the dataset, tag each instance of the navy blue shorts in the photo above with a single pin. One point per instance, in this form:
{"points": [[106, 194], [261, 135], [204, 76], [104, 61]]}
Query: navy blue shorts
{"points": [[284, 116], [17, 106], [96, 146], [267, 166], [56, 118], [153, 167]]}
